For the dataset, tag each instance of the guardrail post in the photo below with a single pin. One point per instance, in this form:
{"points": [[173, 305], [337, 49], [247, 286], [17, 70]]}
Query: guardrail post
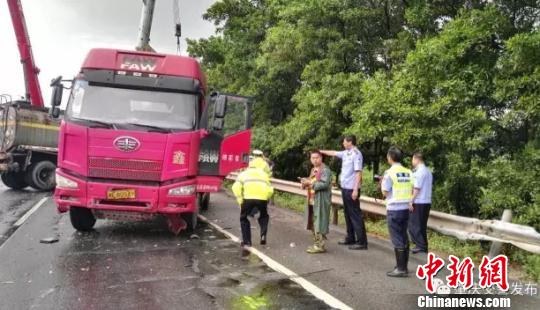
{"points": [[495, 245], [335, 217]]}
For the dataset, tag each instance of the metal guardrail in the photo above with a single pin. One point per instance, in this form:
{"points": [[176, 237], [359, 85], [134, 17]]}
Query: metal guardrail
{"points": [[461, 227]]}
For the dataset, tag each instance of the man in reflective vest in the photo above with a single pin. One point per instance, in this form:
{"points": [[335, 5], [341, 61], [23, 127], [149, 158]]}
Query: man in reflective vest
{"points": [[260, 162], [252, 190], [397, 187]]}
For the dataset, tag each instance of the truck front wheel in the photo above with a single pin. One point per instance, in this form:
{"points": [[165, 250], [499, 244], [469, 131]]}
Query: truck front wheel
{"points": [[41, 175], [192, 218], [14, 180], [82, 219], [203, 200]]}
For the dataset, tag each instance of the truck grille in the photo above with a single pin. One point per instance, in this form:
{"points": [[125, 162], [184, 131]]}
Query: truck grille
{"points": [[125, 169]]}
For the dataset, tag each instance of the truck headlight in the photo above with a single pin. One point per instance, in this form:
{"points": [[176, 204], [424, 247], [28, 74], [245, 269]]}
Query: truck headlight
{"points": [[63, 182], [182, 190]]}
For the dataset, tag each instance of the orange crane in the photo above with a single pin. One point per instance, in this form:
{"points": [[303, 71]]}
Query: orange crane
{"points": [[31, 71]]}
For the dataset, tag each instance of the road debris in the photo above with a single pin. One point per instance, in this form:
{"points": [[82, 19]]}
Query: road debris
{"points": [[49, 240]]}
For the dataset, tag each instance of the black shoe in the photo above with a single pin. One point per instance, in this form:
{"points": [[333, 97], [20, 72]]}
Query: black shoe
{"points": [[263, 240], [418, 250], [346, 242], [245, 244], [358, 246]]}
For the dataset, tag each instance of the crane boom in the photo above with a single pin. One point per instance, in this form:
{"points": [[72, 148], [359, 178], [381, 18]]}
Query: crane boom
{"points": [[147, 13], [30, 70]]}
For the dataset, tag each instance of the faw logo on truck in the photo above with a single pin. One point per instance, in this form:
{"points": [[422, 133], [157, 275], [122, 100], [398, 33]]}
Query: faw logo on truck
{"points": [[126, 144], [138, 63]]}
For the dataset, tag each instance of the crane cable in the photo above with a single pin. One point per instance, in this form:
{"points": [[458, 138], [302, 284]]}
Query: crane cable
{"points": [[177, 25]]}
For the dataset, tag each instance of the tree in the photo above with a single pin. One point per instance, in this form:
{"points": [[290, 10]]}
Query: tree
{"points": [[456, 79]]}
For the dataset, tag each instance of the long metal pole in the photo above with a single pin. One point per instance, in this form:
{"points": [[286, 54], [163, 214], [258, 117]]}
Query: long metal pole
{"points": [[145, 26]]}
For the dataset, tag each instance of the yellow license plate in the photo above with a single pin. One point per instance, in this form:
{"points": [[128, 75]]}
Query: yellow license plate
{"points": [[121, 194]]}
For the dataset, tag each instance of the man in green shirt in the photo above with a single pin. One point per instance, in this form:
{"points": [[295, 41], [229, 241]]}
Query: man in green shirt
{"points": [[320, 199]]}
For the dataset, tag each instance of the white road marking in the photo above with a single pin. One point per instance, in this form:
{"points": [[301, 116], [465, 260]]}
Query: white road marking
{"points": [[308, 286], [30, 212]]}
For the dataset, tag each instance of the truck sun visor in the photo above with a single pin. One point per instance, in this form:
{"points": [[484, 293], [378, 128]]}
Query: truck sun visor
{"points": [[146, 80]]}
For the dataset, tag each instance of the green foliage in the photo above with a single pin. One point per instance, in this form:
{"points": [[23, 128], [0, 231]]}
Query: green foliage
{"points": [[458, 79], [369, 187], [530, 263], [514, 183], [532, 267], [319, 113]]}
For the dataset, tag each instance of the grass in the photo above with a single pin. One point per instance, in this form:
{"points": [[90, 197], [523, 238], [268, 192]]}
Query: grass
{"points": [[524, 264], [290, 201]]}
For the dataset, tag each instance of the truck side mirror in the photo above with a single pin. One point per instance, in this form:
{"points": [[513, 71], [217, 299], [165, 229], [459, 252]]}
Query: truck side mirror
{"points": [[56, 81], [55, 112], [220, 107], [58, 90], [56, 98]]}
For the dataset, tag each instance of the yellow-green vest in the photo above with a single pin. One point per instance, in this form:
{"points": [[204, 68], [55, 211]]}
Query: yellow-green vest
{"points": [[252, 183], [402, 184], [262, 164]]}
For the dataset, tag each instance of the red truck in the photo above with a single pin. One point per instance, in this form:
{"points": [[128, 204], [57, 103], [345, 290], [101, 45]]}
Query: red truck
{"points": [[141, 137]]}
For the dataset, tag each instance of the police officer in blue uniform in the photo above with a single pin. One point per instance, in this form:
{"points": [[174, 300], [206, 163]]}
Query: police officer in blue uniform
{"points": [[397, 187], [421, 203], [351, 183]]}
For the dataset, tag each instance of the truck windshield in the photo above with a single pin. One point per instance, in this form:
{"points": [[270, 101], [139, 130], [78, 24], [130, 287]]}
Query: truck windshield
{"points": [[120, 106]]}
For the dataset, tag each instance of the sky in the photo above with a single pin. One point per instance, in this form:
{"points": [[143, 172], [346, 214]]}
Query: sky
{"points": [[62, 31]]}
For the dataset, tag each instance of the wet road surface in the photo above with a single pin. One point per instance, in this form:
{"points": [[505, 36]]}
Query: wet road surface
{"points": [[142, 266], [136, 266], [13, 204], [357, 278]]}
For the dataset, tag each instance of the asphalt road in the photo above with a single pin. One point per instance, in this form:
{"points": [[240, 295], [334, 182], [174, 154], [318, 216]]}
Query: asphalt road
{"points": [[142, 266], [13, 204], [135, 266], [357, 278]]}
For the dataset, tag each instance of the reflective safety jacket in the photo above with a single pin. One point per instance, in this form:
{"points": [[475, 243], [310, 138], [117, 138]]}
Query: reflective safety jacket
{"points": [[402, 184], [252, 183], [259, 162]]}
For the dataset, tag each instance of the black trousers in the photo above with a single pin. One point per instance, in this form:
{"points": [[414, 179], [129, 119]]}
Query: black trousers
{"points": [[397, 227], [418, 225], [356, 229], [248, 205]]}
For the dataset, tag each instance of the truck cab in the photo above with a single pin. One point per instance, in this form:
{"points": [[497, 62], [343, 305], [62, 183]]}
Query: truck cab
{"points": [[141, 137]]}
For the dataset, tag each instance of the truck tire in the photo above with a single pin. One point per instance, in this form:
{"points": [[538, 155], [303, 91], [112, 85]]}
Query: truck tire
{"points": [[204, 201], [14, 180], [191, 220], [82, 219], [41, 175]]}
